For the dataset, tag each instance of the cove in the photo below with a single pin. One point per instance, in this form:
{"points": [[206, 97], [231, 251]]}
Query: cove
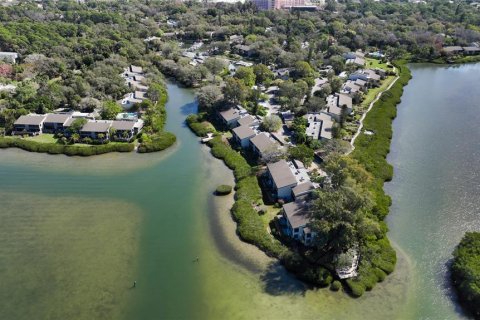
{"points": [[77, 232]]}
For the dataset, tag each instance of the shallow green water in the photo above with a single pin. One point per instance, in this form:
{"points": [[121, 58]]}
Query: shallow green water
{"points": [[79, 231], [435, 190]]}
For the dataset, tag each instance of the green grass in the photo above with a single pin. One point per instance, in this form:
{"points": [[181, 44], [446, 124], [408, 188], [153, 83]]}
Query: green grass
{"points": [[43, 138], [372, 93], [375, 63]]}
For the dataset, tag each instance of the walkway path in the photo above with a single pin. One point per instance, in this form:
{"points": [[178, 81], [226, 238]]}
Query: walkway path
{"points": [[370, 106]]}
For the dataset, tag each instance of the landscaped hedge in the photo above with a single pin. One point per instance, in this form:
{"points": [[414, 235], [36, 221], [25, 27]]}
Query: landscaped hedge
{"points": [[200, 128], [378, 258], [465, 272], [250, 226], [157, 142], [69, 150]]}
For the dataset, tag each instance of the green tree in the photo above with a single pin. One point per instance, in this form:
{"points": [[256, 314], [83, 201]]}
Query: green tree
{"points": [[246, 75], [208, 97], [303, 70], [235, 91], [76, 125], [303, 153], [110, 109], [271, 123], [263, 75]]}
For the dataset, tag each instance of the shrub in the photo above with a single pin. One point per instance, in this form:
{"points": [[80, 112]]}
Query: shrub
{"points": [[336, 285], [69, 150], [223, 190], [465, 272], [200, 128], [157, 142]]}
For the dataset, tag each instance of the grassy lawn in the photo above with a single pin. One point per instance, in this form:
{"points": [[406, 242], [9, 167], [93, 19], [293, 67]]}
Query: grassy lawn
{"points": [[43, 138], [375, 63], [269, 215], [372, 93]]}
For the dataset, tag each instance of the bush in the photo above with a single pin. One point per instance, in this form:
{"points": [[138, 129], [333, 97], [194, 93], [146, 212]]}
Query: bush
{"points": [[378, 257], [223, 190], [157, 142], [200, 128], [465, 272], [69, 150], [336, 285]]}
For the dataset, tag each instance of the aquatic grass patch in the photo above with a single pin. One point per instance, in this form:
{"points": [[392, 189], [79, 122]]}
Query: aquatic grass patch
{"points": [[67, 257]]}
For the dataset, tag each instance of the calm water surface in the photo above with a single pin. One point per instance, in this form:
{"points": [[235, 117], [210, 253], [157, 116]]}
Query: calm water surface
{"points": [[435, 190], [77, 232]]}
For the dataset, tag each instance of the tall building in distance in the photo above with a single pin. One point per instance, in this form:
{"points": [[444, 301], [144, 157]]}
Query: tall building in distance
{"points": [[264, 4], [277, 4]]}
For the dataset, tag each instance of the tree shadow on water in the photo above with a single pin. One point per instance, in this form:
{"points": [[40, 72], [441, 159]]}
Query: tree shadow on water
{"points": [[277, 281], [189, 108]]}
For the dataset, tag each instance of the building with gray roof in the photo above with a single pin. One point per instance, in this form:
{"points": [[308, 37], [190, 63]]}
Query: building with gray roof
{"points": [[96, 129], [281, 179], [262, 143], [296, 217], [55, 122], [31, 124], [242, 135], [230, 117]]}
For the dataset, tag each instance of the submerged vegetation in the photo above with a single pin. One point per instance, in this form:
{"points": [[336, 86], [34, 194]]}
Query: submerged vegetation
{"points": [[465, 272]]}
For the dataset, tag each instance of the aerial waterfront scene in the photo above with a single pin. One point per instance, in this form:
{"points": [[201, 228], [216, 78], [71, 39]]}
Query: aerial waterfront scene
{"points": [[239, 160]]}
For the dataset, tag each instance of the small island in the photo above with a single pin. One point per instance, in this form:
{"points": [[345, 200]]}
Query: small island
{"points": [[465, 272], [223, 190]]}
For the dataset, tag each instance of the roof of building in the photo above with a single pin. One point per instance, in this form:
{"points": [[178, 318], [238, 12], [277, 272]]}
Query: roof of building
{"points": [[96, 126], [471, 48], [281, 174], [360, 82], [320, 124], [123, 125], [344, 100], [31, 119], [243, 132], [302, 189], [296, 214], [247, 120], [57, 118], [287, 115], [262, 142], [243, 47], [136, 69], [230, 114], [452, 48], [372, 74]]}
